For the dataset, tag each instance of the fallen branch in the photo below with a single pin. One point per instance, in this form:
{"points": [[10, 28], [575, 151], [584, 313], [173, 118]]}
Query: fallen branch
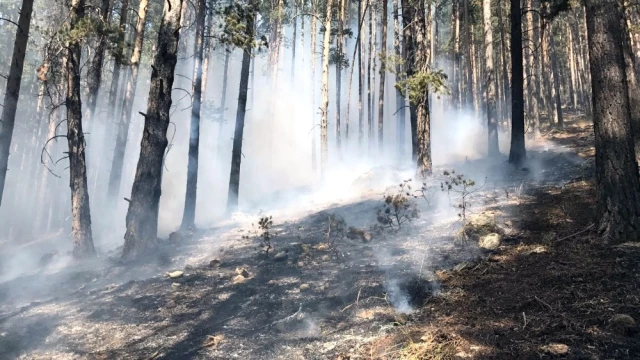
{"points": [[578, 233]]}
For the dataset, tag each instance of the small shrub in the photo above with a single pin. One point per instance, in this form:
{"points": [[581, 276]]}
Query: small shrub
{"points": [[457, 183], [264, 233], [398, 208]]}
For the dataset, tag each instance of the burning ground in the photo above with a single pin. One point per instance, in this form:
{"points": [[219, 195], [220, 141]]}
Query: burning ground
{"points": [[549, 287]]}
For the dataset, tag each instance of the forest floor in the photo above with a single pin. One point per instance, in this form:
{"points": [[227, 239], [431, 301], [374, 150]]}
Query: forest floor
{"points": [[551, 289]]}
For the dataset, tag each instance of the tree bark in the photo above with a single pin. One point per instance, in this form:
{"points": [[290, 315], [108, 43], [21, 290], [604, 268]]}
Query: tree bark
{"points": [[400, 99], [324, 146], [81, 223], [410, 60], [616, 168], [370, 83], [517, 153], [423, 117], [360, 76], [467, 54], [383, 71], [453, 42], [556, 77], [118, 58], [314, 30], [94, 73], [12, 92], [532, 78], [340, 58], [142, 216], [189, 214], [506, 87], [236, 153], [115, 177], [633, 85], [490, 81]]}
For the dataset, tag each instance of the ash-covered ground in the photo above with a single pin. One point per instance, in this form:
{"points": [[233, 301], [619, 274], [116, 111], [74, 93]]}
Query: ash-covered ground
{"points": [[320, 293]]}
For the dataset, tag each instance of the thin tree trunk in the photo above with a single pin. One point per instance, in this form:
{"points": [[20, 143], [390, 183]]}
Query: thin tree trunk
{"points": [[189, 215], [236, 153], [633, 86], [423, 118], [573, 88], [12, 92], [467, 54], [360, 76], [115, 177], [142, 216], [400, 99], [506, 87], [490, 81], [532, 78], [324, 146], [295, 39], [118, 59], [94, 73], [616, 168], [81, 224], [207, 49], [556, 77], [453, 42], [548, 74], [370, 83], [517, 153], [223, 98], [340, 58], [410, 59], [383, 71], [314, 30]]}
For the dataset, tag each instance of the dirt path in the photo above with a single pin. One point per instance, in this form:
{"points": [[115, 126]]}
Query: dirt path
{"points": [[406, 288]]}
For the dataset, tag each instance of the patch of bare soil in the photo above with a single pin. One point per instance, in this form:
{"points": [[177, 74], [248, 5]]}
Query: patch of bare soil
{"points": [[545, 286]]}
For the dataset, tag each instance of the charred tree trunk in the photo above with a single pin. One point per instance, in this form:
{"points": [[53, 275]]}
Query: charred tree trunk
{"points": [[324, 146], [142, 216], [616, 168], [115, 177], [490, 81], [12, 92], [81, 224], [518, 153], [236, 153], [383, 70], [189, 214]]}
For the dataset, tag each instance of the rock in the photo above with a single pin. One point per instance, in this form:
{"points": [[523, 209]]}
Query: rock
{"points": [[622, 324], [304, 287], [170, 304], [490, 242], [322, 247], [281, 256], [556, 349], [214, 263], [239, 279], [300, 264], [243, 272], [478, 226], [326, 258], [362, 234], [175, 274], [176, 237]]}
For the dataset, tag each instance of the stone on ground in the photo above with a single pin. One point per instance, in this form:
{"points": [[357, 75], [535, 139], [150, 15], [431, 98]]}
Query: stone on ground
{"points": [[490, 241]]}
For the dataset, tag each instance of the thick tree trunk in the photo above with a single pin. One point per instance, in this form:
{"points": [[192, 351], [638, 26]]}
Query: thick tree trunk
{"points": [[423, 116], [81, 223], [189, 214], [617, 179], [236, 153], [517, 153], [400, 99], [490, 81], [383, 70], [12, 92], [324, 145], [142, 216], [115, 177]]}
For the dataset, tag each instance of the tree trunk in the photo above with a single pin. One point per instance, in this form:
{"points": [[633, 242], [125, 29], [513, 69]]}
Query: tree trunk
{"points": [[383, 70], [410, 60], [81, 224], [633, 85], [370, 83], [223, 98], [423, 118], [532, 78], [236, 153], [454, 53], [207, 49], [340, 58], [189, 214], [142, 216], [573, 84], [490, 81], [12, 92], [115, 177], [548, 74], [360, 76], [556, 77], [94, 73], [506, 87], [616, 168], [314, 30], [295, 39], [324, 146], [467, 54], [400, 99], [117, 61], [518, 153]]}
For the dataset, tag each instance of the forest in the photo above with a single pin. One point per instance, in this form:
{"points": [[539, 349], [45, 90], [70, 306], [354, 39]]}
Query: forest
{"points": [[319, 179]]}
